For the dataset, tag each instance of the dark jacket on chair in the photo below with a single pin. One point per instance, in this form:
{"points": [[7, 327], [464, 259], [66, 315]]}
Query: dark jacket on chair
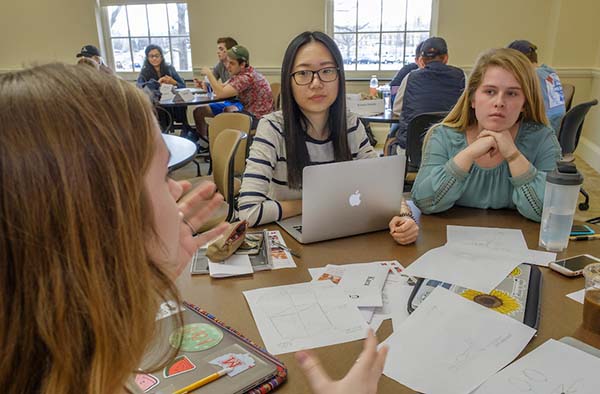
{"points": [[434, 88]]}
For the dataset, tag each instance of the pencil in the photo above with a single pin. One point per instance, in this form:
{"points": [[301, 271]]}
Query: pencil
{"points": [[584, 237], [204, 381]]}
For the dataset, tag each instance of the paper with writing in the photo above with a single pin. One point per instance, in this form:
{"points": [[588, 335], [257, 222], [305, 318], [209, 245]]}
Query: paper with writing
{"points": [[554, 367], [457, 341], [304, 316]]}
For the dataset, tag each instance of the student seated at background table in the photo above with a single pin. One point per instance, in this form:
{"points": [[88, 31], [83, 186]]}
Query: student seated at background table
{"points": [[85, 265], [156, 71], [494, 148], [251, 88], [552, 90], [221, 74], [313, 127], [90, 55]]}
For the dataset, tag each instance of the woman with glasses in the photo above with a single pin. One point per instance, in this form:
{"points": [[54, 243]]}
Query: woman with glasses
{"points": [[156, 69], [313, 127], [155, 72]]}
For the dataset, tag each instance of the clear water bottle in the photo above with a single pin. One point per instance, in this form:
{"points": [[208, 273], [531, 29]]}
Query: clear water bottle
{"points": [[560, 201], [385, 92], [373, 84], [209, 90]]}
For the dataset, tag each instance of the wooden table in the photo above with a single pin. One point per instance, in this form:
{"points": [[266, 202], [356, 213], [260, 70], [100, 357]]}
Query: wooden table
{"points": [[560, 316]]}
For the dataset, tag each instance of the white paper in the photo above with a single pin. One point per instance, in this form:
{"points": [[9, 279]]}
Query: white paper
{"points": [[185, 94], [304, 316], [577, 296], [236, 264], [452, 345], [486, 236], [499, 238], [281, 258], [539, 257], [476, 268], [363, 282], [554, 367], [316, 272]]}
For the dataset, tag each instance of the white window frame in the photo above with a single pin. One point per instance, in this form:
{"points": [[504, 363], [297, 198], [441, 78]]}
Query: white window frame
{"points": [[365, 74], [106, 45]]}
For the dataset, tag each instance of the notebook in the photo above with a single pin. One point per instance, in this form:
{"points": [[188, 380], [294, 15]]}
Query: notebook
{"points": [[348, 198], [207, 345]]}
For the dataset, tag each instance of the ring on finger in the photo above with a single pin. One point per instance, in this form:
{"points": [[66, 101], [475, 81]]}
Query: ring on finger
{"points": [[192, 229]]}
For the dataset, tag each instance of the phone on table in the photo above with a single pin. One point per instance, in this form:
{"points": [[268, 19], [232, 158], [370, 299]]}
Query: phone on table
{"points": [[573, 266], [581, 229]]}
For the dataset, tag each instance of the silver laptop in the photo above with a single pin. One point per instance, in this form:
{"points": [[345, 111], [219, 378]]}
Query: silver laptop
{"points": [[347, 198]]}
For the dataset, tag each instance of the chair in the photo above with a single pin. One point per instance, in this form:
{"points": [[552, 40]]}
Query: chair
{"points": [[568, 137], [229, 120], [225, 146], [276, 90], [568, 93], [415, 134]]}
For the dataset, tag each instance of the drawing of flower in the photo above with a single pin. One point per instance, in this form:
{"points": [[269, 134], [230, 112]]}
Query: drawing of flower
{"points": [[497, 300]]}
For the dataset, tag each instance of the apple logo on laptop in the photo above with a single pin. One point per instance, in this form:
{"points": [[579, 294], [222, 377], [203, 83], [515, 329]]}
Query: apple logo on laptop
{"points": [[354, 199]]}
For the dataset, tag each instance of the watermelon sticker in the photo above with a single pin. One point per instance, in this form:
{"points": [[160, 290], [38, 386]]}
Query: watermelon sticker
{"points": [[180, 365], [146, 382], [196, 337]]}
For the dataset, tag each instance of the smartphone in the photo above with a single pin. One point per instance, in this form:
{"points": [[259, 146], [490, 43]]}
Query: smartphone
{"points": [[581, 229], [573, 266]]}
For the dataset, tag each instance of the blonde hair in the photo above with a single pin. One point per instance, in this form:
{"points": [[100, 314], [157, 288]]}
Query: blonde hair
{"points": [[462, 115], [78, 291]]}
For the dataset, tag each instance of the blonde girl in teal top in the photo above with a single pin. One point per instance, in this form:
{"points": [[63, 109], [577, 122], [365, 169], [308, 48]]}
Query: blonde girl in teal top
{"points": [[494, 148]]}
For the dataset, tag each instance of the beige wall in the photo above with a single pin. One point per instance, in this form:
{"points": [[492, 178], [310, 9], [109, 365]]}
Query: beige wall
{"points": [[567, 32], [265, 27], [39, 31]]}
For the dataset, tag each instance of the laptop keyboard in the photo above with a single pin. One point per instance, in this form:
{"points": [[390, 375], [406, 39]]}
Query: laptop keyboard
{"points": [[298, 228]]}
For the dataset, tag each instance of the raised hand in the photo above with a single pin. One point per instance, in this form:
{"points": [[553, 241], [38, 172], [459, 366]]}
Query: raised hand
{"points": [[362, 378], [195, 208]]}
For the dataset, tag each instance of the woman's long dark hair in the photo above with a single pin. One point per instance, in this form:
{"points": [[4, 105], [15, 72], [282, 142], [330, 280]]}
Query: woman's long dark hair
{"points": [[148, 71], [295, 123]]}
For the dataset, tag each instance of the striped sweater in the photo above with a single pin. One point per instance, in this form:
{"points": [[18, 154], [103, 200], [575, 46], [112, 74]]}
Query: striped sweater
{"points": [[265, 179]]}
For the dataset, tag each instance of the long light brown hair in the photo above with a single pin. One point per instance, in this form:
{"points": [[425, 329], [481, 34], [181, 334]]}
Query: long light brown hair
{"points": [[78, 291], [463, 115]]}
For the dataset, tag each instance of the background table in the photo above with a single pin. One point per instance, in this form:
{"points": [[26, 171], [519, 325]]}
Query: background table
{"points": [[182, 151], [386, 117], [560, 316]]}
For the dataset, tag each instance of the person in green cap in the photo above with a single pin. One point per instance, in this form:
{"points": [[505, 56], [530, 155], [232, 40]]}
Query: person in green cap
{"points": [[250, 87]]}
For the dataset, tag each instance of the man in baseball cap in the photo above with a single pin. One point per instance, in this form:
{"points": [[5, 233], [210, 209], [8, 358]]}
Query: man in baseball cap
{"points": [[433, 88], [90, 55], [249, 86]]}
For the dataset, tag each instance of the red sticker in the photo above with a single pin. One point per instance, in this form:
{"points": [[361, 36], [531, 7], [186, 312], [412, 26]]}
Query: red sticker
{"points": [[180, 365], [146, 382]]}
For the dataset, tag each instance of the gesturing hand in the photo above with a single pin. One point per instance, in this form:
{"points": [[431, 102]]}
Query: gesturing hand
{"points": [[195, 208], [504, 141], [362, 378]]}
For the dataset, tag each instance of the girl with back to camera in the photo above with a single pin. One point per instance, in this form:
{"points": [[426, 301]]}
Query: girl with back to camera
{"points": [[494, 148], [93, 234], [313, 127]]}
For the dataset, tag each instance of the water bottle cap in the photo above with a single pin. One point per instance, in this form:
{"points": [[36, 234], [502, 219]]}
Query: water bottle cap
{"points": [[565, 174]]}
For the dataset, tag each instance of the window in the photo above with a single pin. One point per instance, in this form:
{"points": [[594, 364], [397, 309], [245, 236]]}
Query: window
{"points": [[133, 27], [380, 34]]}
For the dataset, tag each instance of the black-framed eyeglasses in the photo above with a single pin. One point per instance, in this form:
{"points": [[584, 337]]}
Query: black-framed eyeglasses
{"points": [[305, 77]]}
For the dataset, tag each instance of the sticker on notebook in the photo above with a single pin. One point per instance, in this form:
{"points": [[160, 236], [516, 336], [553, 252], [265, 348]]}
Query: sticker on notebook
{"points": [[146, 382], [240, 362], [196, 337], [180, 365]]}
